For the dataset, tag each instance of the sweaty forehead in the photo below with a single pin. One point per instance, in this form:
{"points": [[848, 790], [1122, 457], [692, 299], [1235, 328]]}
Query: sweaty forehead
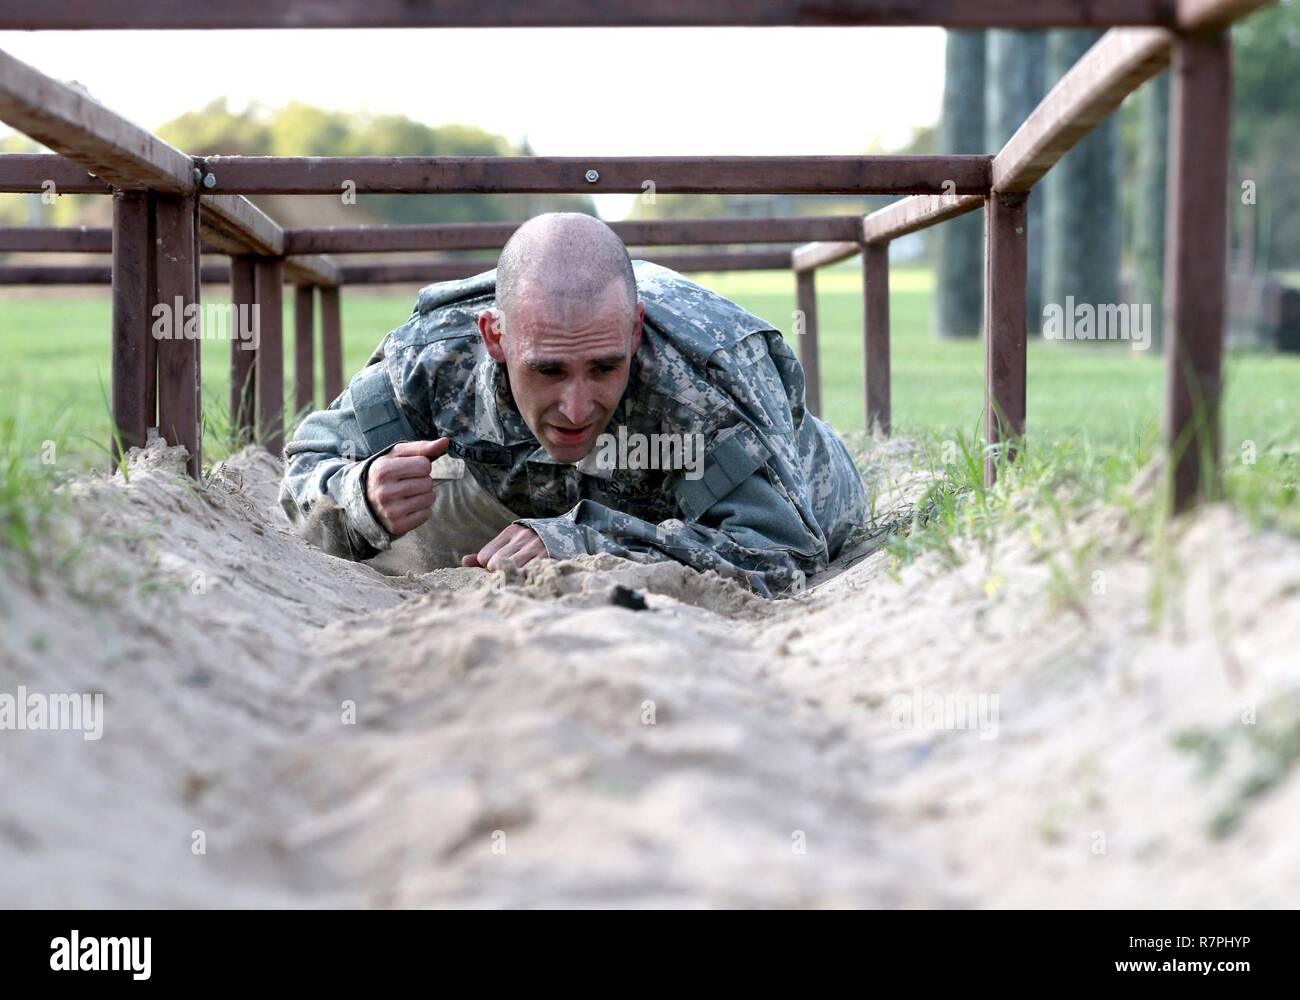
{"points": [[572, 343], [569, 327]]}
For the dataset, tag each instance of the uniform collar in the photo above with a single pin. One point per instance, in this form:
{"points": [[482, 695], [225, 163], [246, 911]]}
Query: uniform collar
{"points": [[502, 422]]}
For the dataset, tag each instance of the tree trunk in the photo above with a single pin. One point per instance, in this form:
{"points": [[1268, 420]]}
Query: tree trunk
{"points": [[1149, 234], [959, 275], [1083, 227], [1015, 77]]}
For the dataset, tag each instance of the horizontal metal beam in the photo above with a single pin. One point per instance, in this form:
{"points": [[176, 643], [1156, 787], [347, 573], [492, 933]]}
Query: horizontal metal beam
{"points": [[311, 270], [87, 274], [1117, 65], [641, 232], [97, 147], [815, 255], [452, 236], [391, 273], [1211, 15], [162, 14], [423, 272], [297, 271], [52, 239], [910, 215], [39, 173], [71, 123], [599, 175], [240, 226]]}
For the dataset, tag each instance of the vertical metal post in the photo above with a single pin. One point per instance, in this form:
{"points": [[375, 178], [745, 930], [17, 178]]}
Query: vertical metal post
{"points": [[176, 251], [1196, 261], [243, 349], [331, 329], [875, 335], [304, 354], [806, 294], [268, 277], [1006, 238], [133, 358]]}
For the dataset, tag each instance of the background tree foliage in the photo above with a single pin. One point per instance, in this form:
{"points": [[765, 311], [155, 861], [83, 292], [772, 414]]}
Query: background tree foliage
{"points": [[299, 129]]}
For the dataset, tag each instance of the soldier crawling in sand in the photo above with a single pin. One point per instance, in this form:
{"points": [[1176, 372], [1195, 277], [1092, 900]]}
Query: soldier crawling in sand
{"points": [[479, 433]]}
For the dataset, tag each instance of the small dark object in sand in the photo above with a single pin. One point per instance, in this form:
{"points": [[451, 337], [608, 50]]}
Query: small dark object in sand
{"points": [[626, 597]]}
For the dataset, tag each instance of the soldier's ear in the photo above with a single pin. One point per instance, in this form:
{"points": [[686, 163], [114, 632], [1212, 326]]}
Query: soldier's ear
{"points": [[489, 328], [636, 328]]}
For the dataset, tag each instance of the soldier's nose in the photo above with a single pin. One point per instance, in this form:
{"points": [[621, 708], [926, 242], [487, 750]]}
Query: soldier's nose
{"points": [[576, 407]]}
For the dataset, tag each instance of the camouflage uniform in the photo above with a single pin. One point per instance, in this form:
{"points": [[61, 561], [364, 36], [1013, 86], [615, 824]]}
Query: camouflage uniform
{"points": [[778, 495]]}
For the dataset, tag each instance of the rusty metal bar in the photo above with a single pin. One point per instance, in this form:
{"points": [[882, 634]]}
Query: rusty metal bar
{"points": [[910, 215], [87, 274], [51, 239], [268, 283], [134, 375], [1120, 62], [493, 235], [461, 236], [1196, 262], [393, 272], [331, 330], [814, 255], [599, 175], [875, 335], [1006, 274], [243, 349], [39, 173], [65, 15], [422, 272], [1212, 15], [72, 123], [806, 333], [176, 324], [304, 354]]}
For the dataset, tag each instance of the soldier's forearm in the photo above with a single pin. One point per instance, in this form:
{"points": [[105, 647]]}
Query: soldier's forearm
{"points": [[590, 528], [325, 500]]}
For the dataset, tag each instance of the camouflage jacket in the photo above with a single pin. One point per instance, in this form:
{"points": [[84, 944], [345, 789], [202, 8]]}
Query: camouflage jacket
{"points": [[769, 498]]}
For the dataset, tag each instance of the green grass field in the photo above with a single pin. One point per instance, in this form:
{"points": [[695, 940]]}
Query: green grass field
{"points": [[55, 351]]}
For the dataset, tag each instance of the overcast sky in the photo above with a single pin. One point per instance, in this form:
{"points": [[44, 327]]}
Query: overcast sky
{"points": [[615, 92]]}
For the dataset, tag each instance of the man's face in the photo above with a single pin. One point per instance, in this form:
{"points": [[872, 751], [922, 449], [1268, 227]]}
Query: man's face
{"points": [[568, 364]]}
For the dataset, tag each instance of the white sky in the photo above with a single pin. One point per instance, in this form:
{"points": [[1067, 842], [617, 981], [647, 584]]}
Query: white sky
{"points": [[573, 92]]}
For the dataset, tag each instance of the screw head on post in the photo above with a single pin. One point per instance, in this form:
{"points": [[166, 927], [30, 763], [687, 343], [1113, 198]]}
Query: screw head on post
{"points": [[592, 176], [209, 180]]}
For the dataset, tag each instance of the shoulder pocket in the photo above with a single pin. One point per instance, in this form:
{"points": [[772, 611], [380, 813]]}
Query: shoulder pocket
{"points": [[735, 455], [377, 411]]}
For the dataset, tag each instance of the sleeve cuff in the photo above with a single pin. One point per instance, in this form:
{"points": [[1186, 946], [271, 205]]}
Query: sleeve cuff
{"points": [[360, 518], [562, 538]]}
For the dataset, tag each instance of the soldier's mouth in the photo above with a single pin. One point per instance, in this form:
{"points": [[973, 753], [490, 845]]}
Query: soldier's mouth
{"points": [[570, 435]]}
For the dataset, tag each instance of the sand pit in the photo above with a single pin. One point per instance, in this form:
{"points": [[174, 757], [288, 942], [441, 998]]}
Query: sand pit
{"points": [[283, 728]]}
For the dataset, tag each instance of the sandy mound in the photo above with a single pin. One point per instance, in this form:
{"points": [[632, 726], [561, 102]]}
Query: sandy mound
{"points": [[285, 728]]}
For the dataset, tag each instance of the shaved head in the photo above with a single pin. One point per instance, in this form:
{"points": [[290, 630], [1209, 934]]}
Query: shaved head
{"points": [[563, 262]]}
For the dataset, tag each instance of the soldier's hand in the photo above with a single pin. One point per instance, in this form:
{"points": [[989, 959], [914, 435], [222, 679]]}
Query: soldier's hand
{"points": [[398, 486], [517, 541]]}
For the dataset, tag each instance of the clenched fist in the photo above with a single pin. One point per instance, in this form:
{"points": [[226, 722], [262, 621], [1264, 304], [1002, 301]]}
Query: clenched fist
{"points": [[398, 485]]}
